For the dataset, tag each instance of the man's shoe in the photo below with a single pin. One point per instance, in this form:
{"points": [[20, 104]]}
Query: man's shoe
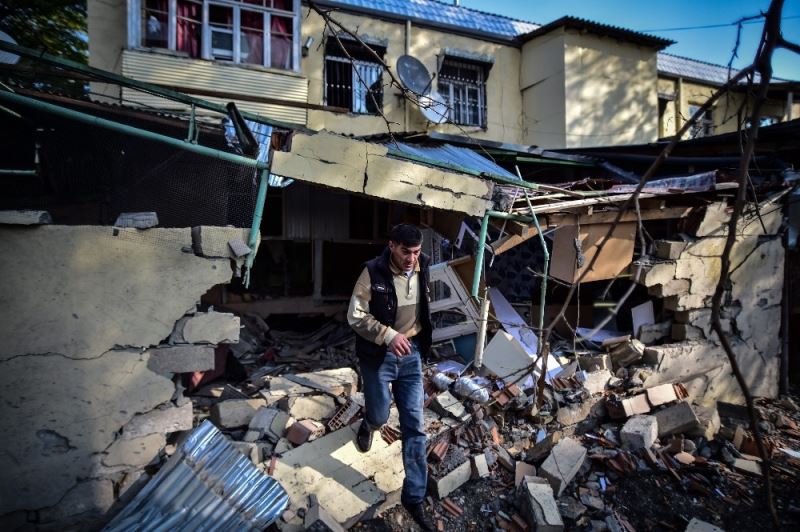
{"points": [[418, 513], [364, 437]]}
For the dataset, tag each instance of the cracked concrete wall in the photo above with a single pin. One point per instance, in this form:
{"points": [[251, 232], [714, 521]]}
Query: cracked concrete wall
{"points": [[751, 314], [82, 313]]}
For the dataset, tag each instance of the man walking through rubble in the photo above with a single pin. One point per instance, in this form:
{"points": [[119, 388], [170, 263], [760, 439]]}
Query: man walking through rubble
{"points": [[389, 312]]}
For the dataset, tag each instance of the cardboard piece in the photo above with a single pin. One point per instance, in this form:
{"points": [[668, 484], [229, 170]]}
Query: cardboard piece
{"points": [[615, 257]]}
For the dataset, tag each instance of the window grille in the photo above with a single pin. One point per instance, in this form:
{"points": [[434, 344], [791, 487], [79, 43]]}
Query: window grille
{"points": [[704, 126], [355, 84], [463, 87]]}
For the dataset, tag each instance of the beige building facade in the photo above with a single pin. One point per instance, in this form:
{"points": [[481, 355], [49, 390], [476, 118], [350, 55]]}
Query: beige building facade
{"points": [[569, 84]]}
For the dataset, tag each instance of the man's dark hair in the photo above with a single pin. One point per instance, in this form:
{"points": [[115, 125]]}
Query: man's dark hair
{"points": [[406, 235]]}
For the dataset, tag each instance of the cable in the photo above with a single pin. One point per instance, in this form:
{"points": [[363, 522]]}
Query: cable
{"points": [[709, 26]]}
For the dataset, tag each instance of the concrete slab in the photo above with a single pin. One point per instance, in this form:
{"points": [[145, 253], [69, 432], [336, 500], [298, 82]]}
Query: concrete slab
{"points": [[135, 452], [346, 482], [338, 381]]}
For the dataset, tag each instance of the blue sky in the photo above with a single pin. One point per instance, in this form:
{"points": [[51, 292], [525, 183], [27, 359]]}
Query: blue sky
{"points": [[710, 44]]}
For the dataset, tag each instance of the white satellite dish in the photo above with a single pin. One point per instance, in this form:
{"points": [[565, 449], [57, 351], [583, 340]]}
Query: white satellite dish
{"points": [[7, 57], [433, 107], [413, 74]]}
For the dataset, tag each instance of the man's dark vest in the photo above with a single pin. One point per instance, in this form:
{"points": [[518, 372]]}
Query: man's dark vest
{"points": [[383, 306]]}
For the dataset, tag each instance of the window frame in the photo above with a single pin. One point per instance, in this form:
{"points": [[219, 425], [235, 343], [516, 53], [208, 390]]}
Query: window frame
{"points": [[330, 56], [457, 114], [704, 127], [136, 37]]}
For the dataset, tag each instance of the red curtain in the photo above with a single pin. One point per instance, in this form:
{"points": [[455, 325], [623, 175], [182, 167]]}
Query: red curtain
{"points": [[189, 17]]}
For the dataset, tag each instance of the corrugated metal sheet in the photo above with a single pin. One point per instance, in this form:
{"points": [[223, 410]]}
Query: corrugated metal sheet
{"points": [[440, 13], [206, 485], [209, 75], [449, 154], [684, 67]]}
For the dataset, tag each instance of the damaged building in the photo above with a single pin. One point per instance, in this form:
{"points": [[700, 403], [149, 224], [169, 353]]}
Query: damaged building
{"points": [[179, 243]]}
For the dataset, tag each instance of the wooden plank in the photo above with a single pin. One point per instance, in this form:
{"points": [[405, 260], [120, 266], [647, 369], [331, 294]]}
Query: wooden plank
{"points": [[511, 226], [501, 245]]}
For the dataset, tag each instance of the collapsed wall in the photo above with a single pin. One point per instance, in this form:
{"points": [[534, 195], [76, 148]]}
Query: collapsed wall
{"points": [[686, 275], [87, 316]]}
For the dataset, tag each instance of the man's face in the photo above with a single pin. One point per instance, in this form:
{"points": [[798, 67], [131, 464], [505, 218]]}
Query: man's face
{"points": [[404, 257]]}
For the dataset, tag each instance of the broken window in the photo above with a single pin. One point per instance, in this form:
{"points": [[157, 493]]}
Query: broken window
{"points": [[353, 79], [255, 32], [704, 126], [462, 84]]}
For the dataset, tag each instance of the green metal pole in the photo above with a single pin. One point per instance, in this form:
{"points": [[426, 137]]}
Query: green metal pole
{"points": [[32, 103], [18, 172], [476, 278], [261, 200], [150, 88]]}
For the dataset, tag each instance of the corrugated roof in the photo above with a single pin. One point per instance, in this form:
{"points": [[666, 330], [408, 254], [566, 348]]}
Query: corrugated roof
{"points": [[442, 14], [601, 29], [684, 67], [206, 485], [453, 156]]}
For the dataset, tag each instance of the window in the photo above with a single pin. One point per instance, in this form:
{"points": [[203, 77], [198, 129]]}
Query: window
{"points": [[355, 84], [704, 126], [255, 32], [462, 84]]}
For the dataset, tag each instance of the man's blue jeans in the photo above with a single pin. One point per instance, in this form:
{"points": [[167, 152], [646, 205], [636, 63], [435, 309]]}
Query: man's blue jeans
{"points": [[404, 373]]}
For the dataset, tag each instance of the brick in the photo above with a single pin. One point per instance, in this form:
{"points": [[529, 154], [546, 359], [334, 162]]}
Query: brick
{"points": [[662, 394], [627, 353], [636, 405], [235, 412], [538, 505], [480, 468], [563, 464], [673, 287], [669, 249], [180, 359], [304, 430], [454, 479], [639, 432]]}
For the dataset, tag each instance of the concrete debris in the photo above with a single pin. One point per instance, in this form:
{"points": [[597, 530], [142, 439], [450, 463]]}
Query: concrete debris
{"points": [[25, 217], [211, 328], [305, 430], [563, 464], [250, 450], [445, 404], [235, 412], [267, 424], [163, 420], [318, 407], [595, 362], [747, 466], [168, 360], [137, 452], [669, 249], [696, 525], [627, 353], [660, 395], [480, 467], [238, 247], [652, 333], [596, 381], [137, 220], [453, 480], [317, 519], [506, 358], [639, 432], [539, 506]]}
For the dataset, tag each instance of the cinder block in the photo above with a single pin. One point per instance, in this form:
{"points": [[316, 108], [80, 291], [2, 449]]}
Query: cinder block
{"points": [[639, 432], [180, 359], [235, 412], [454, 479], [539, 505], [669, 249], [563, 464]]}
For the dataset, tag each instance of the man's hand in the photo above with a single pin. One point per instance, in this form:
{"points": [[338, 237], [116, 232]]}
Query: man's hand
{"points": [[400, 345]]}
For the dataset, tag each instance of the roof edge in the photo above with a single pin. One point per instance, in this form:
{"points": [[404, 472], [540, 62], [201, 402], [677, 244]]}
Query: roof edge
{"points": [[576, 23]]}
